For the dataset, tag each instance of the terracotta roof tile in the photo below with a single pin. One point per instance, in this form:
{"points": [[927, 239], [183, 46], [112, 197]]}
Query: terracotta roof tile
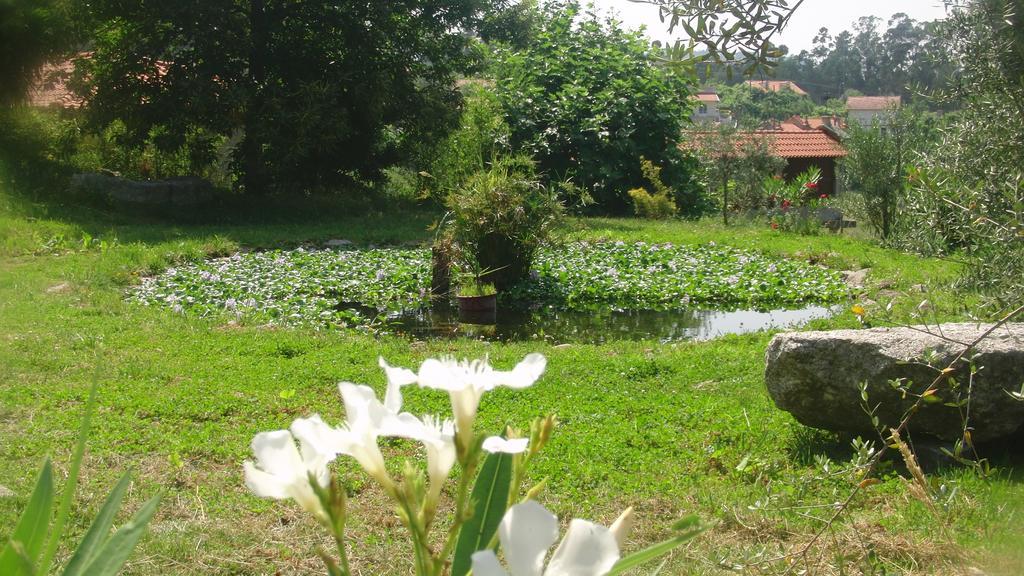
{"points": [[871, 102], [775, 86], [788, 140], [706, 97]]}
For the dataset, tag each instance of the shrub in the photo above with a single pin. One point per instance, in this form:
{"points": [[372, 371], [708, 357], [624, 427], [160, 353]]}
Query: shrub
{"points": [[587, 99], [658, 205], [500, 217]]}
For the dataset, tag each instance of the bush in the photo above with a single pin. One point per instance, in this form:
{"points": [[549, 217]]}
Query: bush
{"points": [[658, 205], [587, 99], [499, 219]]}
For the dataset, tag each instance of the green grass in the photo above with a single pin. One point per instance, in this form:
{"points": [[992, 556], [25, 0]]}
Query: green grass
{"points": [[663, 427]]}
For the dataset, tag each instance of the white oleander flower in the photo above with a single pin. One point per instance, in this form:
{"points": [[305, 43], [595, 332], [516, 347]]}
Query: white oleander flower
{"points": [[528, 530], [466, 382], [283, 471]]}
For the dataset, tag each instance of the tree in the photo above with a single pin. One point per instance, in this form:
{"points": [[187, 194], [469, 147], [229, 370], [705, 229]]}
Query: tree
{"points": [[325, 94], [587, 100], [729, 156], [878, 160], [969, 192], [752, 107], [32, 32]]}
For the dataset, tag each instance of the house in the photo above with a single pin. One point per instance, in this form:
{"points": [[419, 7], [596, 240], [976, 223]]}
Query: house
{"points": [[707, 111], [775, 86], [802, 143], [864, 109]]}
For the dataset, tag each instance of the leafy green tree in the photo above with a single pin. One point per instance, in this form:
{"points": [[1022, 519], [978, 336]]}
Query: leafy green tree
{"points": [[32, 32], [878, 159], [325, 94], [752, 107], [969, 192], [587, 100], [735, 162]]}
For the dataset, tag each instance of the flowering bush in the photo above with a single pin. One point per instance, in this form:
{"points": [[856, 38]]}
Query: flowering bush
{"points": [[793, 206], [496, 511]]}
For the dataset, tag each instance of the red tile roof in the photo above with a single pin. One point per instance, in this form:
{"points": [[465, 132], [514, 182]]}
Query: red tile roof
{"points": [[706, 97], [51, 89], [775, 86], [872, 102], [790, 139]]}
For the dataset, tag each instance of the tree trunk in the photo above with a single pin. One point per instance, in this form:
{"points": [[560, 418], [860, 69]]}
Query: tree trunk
{"points": [[725, 199]]}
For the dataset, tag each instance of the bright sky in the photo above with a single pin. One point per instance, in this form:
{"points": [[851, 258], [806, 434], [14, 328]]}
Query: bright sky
{"points": [[836, 15]]}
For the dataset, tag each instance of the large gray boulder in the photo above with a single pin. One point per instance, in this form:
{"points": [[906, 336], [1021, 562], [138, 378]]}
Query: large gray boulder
{"points": [[816, 377]]}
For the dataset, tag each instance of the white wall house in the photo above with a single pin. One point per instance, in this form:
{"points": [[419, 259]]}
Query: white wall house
{"points": [[864, 109], [706, 111]]}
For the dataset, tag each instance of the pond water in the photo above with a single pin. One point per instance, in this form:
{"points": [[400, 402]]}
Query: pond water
{"points": [[594, 327]]}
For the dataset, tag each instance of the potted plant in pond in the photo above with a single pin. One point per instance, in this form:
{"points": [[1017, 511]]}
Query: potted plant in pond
{"points": [[477, 300]]}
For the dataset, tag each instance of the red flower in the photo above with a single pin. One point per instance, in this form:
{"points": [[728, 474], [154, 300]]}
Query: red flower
{"points": [[785, 203], [823, 196], [812, 185], [775, 225]]}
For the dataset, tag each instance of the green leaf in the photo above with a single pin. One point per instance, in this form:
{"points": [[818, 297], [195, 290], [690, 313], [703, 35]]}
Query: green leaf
{"points": [[97, 533], [689, 527], [490, 497], [116, 550], [26, 541], [68, 493]]}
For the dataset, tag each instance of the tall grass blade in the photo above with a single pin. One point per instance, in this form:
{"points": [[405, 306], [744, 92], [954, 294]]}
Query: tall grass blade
{"points": [[97, 533], [26, 541], [114, 553], [68, 494]]}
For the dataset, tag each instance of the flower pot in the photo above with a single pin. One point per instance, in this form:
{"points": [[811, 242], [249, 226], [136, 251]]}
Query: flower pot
{"points": [[478, 309]]}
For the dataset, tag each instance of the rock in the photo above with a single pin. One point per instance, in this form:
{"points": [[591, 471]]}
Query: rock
{"points": [[59, 288], [886, 284], [337, 243], [184, 192], [919, 288], [5, 492], [816, 376], [889, 294], [855, 279]]}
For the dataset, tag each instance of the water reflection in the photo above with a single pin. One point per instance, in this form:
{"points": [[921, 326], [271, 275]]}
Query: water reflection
{"points": [[595, 327]]}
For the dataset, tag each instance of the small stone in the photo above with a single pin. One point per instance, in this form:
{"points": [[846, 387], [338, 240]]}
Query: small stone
{"points": [[562, 346], [59, 288], [918, 288], [855, 278], [886, 284], [5, 492], [337, 243], [889, 294]]}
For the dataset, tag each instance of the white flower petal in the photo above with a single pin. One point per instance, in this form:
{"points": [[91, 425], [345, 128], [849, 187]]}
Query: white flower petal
{"points": [[442, 375], [525, 373], [588, 549], [622, 525], [397, 377], [526, 532], [485, 563], [263, 484], [276, 453], [498, 444], [316, 438]]}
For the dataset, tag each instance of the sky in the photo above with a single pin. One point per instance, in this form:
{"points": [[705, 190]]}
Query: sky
{"points": [[836, 15]]}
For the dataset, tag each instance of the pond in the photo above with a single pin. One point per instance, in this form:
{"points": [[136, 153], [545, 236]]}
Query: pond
{"points": [[578, 292], [596, 327]]}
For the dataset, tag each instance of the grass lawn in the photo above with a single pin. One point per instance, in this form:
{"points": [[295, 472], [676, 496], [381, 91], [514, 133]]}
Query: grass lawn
{"points": [[668, 428]]}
